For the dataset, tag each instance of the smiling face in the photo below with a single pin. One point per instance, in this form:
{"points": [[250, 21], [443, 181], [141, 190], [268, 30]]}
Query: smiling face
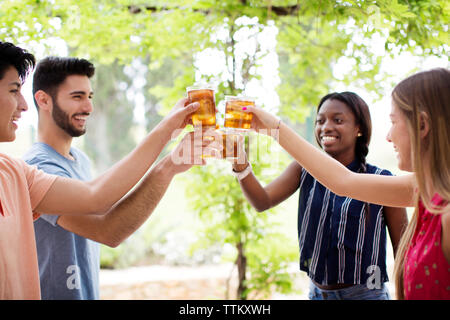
{"points": [[73, 105], [12, 103], [399, 136], [336, 130]]}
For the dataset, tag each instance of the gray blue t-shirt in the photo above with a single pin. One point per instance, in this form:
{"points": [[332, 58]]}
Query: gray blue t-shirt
{"points": [[69, 264]]}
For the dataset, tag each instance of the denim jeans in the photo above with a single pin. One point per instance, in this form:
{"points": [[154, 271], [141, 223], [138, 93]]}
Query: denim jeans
{"points": [[356, 292]]}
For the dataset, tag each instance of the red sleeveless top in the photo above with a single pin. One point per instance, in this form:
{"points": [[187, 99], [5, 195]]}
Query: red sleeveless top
{"points": [[427, 272]]}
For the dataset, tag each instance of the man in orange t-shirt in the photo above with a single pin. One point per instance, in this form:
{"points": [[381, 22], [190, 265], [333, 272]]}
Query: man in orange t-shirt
{"points": [[22, 188], [25, 191]]}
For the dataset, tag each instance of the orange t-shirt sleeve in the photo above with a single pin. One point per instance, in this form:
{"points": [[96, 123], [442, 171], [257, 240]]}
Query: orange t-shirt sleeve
{"points": [[39, 183]]}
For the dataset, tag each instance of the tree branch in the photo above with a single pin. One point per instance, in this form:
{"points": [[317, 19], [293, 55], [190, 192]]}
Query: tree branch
{"points": [[286, 10], [278, 10]]}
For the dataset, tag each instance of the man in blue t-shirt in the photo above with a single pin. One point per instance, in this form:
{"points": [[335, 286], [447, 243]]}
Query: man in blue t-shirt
{"points": [[67, 245], [68, 263]]}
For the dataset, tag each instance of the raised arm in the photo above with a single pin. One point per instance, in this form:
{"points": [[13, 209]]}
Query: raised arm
{"points": [[127, 215], [393, 191], [263, 198], [67, 196]]}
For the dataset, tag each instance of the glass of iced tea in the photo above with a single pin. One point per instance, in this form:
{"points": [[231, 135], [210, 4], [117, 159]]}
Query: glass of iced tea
{"points": [[235, 118], [230, 145], [224, 141], [205, 116]]}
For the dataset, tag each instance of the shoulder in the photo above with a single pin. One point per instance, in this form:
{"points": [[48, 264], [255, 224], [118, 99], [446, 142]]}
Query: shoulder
{"points": [[10, 164], [6, 160], [16, 164], [47, 159], [19, 168], [38, 152]]}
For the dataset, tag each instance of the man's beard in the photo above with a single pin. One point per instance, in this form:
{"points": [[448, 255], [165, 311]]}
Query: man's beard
{"points": [[62, 120]]}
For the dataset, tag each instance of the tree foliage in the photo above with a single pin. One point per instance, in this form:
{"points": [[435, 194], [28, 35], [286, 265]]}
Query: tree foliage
{"points": [[312, 34]]}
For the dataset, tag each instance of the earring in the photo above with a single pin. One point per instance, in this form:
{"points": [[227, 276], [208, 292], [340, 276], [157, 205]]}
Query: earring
{"points": [[359, 134]]}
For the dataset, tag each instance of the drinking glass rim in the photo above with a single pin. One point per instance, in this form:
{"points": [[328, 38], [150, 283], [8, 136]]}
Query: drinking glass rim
{"points": [[240, 98], [200, 87], [227, 131]]}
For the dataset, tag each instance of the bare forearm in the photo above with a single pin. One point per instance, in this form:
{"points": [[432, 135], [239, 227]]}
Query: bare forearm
{"points": [[135, 208], [255, 193], [384, 190], [128, 214], [314, 160], [119, 179], [263, 198], [68, 196]]}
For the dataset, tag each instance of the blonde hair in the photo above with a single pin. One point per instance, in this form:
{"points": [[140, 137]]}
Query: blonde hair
{"points": [[425, 92]]}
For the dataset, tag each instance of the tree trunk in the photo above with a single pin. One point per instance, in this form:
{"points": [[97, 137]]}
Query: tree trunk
{"points": [[241, 263]]}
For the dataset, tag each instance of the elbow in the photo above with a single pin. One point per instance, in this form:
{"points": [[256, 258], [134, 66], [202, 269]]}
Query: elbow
{"points": [[109, 240], [112, 243], [261, 207], [95, 201], [260, 202], [108, 234], [97, 206]]}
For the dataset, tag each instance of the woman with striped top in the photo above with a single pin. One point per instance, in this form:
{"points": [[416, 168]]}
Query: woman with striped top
{"points": [[342, 240]]}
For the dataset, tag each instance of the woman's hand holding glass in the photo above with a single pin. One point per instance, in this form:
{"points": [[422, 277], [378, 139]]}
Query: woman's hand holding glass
{"points": [[262, 121]]}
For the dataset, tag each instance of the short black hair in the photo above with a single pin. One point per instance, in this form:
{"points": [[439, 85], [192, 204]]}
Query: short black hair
{"points": [[13, 56], [53, 71]]}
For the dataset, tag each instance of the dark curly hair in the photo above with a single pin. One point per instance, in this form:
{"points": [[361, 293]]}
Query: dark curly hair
{"points": [[53, 71], [13, 56]]}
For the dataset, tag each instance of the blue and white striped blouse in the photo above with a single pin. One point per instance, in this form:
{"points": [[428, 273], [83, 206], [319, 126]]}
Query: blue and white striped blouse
{"points": [[339, 242]]}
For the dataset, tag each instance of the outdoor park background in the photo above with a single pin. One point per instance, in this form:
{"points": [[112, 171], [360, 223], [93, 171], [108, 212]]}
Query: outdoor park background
{"points": [[287, 54]]}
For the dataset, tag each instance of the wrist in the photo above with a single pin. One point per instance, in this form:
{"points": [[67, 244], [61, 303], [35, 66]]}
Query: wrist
{"points": [[275, 124], [240, 175], [278, 124], [240, 167], [166, 166], [274, 129], [165, 130]]}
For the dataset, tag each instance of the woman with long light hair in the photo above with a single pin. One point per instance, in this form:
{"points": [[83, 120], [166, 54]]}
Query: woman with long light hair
{"points": [[420, 134]]}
